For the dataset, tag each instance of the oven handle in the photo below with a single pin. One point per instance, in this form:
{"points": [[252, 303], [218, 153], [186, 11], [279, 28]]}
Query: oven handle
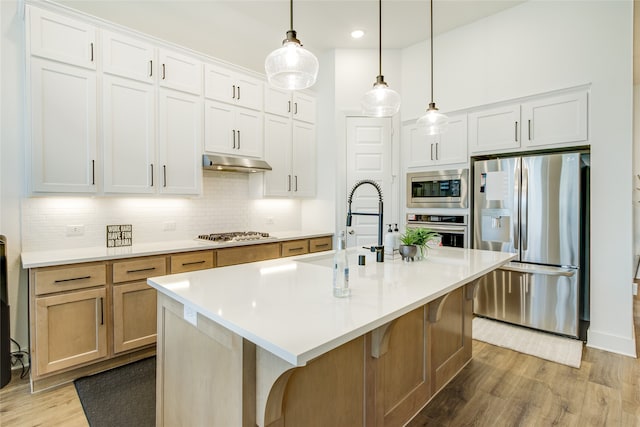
{"points": [[438, 228]]}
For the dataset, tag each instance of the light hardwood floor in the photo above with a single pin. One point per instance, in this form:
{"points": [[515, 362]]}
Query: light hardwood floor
{"points": [[499, 387]]}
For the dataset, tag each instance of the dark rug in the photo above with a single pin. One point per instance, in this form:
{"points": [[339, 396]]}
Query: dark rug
{"points": [[124, 396]]}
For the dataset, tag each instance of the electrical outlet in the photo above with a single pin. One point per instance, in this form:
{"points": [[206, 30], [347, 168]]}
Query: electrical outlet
{"points": [[75, 230], [169, 226]]}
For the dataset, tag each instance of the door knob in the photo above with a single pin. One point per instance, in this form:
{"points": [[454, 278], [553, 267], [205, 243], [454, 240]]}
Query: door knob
{"points": [[352, 232]]}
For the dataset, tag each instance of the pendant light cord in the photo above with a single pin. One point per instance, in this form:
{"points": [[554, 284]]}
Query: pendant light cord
{"points": [[431, 17], [380, 37], [291, 14]]}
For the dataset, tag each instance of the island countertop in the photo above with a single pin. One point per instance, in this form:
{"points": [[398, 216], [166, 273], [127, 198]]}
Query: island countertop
{"points": [[286, 305]]}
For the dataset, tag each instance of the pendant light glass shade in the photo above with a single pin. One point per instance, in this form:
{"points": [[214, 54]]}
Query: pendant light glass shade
{"points": [[433, 122], [291, 67], [380, 101]]}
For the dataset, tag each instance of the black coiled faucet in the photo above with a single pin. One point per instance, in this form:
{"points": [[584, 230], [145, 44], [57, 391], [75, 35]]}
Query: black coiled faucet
{"points": [[379, 214]]}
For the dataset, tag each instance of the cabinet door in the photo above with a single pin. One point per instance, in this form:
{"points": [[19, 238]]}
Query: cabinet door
{"points": [[418, 146], [277, 101], [180, 72], [192, 261], [63, 127], [249, 135], [555, 120], [127, 57], [219, 83], [304, 107], [494, 129], [129, 137], [277, 152], [219, 128], [134, 316], [64, 39], [304, 159], [249, 92], [71, 329], [451, 146], [180, 143]]}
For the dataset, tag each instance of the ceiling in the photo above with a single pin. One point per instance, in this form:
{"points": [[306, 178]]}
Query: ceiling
{"points": [[243, 32]]}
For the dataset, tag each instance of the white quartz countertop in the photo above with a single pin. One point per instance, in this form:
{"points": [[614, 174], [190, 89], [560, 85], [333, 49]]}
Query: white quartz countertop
{"points": [[286, 305], [51, 257]]}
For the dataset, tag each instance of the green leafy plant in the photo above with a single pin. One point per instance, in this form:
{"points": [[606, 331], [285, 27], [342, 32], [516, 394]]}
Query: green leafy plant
{"points": [[418, 236]]}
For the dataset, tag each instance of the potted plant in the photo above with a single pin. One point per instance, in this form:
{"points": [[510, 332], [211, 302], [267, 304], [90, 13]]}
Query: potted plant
{"points": [[414, 239]]}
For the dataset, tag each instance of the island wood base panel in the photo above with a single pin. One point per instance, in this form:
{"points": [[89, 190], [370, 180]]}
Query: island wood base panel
{"points": [[207, 375]]}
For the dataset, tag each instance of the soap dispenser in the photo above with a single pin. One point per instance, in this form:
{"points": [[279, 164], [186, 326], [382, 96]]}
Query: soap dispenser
{"points": [[396, 238], [389, 241]]}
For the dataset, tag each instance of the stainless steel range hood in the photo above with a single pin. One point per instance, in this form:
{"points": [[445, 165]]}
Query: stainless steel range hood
{"points": [[233, 164]]}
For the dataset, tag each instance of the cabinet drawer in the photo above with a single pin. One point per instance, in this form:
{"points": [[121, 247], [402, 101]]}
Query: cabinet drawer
{"points": [[295, 247], [192, 261], [320, 244], [243, 254], [66, 278], [138, 269]]}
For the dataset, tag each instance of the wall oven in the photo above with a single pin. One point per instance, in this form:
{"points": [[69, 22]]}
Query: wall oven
{"points": [[452, 228], [437, 189]]}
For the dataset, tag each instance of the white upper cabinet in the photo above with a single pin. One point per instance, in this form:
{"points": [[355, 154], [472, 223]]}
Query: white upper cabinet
{"points": [[225, 85], [180, 72], [63, 127], [447, 148], [496, 128], [556, 119], [232, 130], [61, 38], [285, 103], [303, 163], [127, 57], [128, 136], [180, 143]]}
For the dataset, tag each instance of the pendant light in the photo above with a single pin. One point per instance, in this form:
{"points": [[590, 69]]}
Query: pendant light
{"points": [[380, 101], [433, 122], [291, 67]]}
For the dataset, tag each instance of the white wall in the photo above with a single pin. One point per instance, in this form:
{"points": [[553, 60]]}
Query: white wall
{"points": [[636, 169], [537, 47]]}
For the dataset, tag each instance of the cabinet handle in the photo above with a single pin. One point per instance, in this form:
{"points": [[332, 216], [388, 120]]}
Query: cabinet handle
{"points": [[289, 182], [72, 279], [233, 96], [93, 172], [296, 181], [431, 151], [238, 93], [322, 245], [184, 264], [289, 107], [295, 110], [91, 51], [151, 68], [437, 158], [529, 129], [152, 174], [234, 138], [516, 131], [238, 137], [163, 72], [140, 270], [101, 311], [164, 175], [299, 248]]}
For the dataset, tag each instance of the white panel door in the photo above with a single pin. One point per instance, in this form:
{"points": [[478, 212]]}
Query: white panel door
{"points": [[63, 39], [180, 148], [63, 127], [180, 72], [304, 159], [129, 137], [127, 57], [277, 152], [369, 151]]}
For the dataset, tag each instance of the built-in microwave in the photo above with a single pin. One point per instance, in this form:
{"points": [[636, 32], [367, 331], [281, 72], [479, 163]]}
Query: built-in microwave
{"points": [[438, 189]]}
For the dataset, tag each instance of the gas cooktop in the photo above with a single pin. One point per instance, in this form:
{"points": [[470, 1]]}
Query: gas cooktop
{"points": [[234, 236]]}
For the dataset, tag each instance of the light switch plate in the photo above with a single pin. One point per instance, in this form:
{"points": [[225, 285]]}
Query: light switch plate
{"points": [[75, 230]]}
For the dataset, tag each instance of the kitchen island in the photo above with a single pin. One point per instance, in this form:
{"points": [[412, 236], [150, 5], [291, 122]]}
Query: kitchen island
{"points": [[267, 344]]}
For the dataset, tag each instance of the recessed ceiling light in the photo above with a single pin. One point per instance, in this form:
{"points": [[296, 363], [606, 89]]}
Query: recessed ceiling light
{"points": [[356, 34]]}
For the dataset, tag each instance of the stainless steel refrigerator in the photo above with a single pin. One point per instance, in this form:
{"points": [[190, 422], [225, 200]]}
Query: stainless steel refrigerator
{"points": [[536, 206]]}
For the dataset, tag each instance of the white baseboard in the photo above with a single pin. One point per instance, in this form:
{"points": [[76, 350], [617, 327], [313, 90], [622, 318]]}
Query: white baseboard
{"points": [[613, 343]]}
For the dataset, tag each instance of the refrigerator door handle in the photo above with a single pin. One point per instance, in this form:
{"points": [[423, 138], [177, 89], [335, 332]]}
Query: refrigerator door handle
{"points": [[525, 208], [516, 192], [542, 271]]}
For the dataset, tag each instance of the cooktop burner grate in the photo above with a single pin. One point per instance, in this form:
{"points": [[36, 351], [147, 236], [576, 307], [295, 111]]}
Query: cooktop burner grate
{"points": [[234, 236]]}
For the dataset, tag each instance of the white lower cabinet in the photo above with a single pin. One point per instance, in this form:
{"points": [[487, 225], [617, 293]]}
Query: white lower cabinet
{"points": [[129, 137], [290, 149], [63, 128], [233, 130], [180, 143]]}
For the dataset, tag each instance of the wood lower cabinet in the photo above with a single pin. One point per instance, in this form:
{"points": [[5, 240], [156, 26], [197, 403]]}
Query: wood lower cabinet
{"points": [[134, 316], [243, 254], [319, 244], [69, 329], [192, 261], [295, 247]]}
